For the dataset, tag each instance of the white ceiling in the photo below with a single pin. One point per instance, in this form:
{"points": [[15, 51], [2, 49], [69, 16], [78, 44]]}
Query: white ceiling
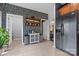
{"points": [[41, 7]]}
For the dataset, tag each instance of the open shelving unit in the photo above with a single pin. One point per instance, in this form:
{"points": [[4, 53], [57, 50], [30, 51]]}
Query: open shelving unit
{"points": [[32, 21]]}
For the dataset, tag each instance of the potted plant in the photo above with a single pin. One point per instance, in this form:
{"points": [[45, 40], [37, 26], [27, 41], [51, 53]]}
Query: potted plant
{"points": [[4, 38]]}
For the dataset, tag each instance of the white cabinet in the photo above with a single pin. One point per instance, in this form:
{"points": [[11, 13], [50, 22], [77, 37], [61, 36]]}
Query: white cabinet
{"points": [[34, 37]]}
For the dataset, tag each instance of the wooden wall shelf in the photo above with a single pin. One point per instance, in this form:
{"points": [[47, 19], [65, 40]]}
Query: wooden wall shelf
{"points": [[32, 21]]}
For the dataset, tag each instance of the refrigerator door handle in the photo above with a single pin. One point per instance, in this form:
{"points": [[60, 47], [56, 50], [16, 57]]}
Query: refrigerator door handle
{"points": [[62, 29]]}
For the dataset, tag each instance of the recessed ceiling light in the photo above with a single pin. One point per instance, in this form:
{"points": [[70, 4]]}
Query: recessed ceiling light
{"points": [[43, 19], [73, 13]]}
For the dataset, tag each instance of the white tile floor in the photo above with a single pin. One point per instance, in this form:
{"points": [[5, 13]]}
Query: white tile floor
{"points": [[39, 49]]}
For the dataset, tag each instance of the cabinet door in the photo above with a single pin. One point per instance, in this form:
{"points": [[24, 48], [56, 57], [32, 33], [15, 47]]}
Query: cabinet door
{"points": [[37, 38], [32, 38]]}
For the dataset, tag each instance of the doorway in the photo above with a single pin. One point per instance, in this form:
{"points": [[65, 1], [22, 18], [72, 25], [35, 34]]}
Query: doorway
{"points": [[14, 25]]}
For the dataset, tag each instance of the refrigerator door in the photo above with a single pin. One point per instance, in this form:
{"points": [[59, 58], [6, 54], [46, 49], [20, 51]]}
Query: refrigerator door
{"points": [[58, 34], [69, 37]]}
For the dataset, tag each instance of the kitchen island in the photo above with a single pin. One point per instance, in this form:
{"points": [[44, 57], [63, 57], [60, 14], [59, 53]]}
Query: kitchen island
{"points": [[34, 37]]}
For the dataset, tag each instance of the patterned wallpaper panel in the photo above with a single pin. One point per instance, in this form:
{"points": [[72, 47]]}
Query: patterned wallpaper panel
{"points": [[8, 8], [12, 9]]}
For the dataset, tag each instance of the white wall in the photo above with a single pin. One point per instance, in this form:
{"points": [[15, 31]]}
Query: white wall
{"points": [[48, 23], [51, 15], [0, 19], [17, 26], [46, 30], [51, 18]]}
